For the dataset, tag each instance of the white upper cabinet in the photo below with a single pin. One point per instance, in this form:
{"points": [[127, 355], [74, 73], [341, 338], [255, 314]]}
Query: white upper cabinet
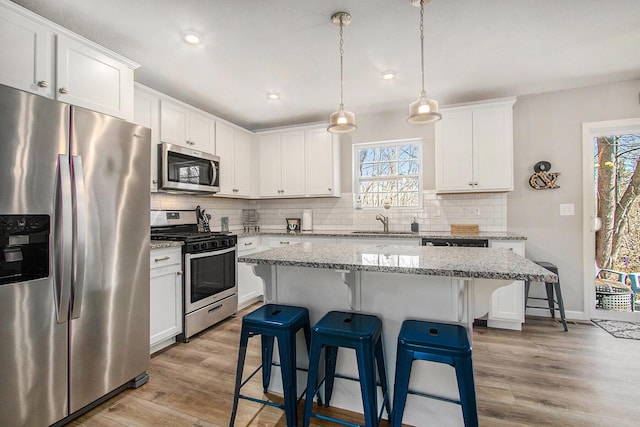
{"points": [[26, 50], [233, 146], [282, 164], [323, 163], [182, 125], [304, 162], [474, 148], [46, 59], [147, 113]]}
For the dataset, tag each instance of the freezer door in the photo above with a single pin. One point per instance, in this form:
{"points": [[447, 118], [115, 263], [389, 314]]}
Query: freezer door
{"points": [[33, 344], [110, 308]]}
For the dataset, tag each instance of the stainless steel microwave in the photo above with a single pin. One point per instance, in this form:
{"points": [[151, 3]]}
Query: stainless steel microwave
{"points": [[185, 170]]}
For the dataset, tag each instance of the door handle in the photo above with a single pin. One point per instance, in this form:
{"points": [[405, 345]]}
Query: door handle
{"points": [[80, 235], [63, 243]]}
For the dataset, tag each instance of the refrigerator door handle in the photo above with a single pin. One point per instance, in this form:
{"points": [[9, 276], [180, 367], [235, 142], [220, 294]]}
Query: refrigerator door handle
{"points": [[80, 235], [63, 239]]}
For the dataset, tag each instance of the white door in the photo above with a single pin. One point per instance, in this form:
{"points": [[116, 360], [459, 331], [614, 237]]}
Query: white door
{"points": [[270, 165], [610, 303], [225, 147], [293, 164], [243, 163]]}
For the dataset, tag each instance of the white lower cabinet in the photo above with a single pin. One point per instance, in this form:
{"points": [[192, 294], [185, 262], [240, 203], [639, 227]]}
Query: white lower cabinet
{"points": [[506, 308], [250, 288], [165, 297]]}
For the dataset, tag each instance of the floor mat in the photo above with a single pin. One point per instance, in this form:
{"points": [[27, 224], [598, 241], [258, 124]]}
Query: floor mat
{"points": [[620, 329]]}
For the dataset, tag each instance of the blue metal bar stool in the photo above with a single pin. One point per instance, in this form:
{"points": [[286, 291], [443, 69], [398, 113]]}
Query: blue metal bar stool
{"points": [[273, 321], [363, 333], [435, 342], [551, 301]]}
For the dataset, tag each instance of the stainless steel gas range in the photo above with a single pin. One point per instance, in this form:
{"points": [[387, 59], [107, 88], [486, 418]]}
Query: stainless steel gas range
{"points": [[209, 262]]}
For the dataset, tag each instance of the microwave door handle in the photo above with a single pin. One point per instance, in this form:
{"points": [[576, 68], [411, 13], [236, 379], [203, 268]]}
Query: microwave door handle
{"points": [[63, 255], [214, 172], [80, 236]]}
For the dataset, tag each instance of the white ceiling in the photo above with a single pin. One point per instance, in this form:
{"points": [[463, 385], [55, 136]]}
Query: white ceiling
{"points": [[473, 50]]}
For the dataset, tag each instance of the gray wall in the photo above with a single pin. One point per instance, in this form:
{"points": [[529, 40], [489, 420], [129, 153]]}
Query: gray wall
{"points": [[546, 127], [549, 127]]}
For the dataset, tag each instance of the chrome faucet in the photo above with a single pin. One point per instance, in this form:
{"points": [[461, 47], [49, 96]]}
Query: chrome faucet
{"points": [[384, 220]]}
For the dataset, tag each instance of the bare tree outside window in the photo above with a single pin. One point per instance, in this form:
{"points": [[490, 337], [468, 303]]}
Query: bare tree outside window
{"points": [[617, 178], [388, 174]]}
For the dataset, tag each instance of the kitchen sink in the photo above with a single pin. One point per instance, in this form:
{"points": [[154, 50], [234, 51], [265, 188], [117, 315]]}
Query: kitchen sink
{"points": [[386, 233]]}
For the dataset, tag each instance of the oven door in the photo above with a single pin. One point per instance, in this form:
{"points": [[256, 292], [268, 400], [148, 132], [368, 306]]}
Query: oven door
{"points": [[209, 277]]}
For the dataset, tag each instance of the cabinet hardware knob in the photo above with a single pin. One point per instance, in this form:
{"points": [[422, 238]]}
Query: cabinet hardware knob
{"points": [[178, 273], [284, 243], [43, 83], [63, 90], [329, 188], [470, 183], [155, 181], [162, 259], [248, 244]]}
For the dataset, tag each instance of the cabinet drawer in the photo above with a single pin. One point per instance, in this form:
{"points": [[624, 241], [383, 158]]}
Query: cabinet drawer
{"points": [[246, 244], [165, 257]]}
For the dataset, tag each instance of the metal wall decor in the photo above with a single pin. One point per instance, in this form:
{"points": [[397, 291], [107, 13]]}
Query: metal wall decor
{"points": [[542, 179]]}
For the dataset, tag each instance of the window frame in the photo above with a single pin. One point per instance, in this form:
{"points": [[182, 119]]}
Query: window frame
{"points": [[355, 168]]}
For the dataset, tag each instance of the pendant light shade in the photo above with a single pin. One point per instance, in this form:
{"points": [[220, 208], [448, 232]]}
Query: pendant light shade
{"points": [[341, 121], [424, 110]]}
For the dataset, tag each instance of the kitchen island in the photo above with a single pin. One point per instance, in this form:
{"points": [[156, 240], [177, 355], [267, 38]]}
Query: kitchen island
{"points": [[447, 284]]}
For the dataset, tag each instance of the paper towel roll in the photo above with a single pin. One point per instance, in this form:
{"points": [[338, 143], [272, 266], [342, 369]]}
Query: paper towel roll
{"points": [[307, 220]]}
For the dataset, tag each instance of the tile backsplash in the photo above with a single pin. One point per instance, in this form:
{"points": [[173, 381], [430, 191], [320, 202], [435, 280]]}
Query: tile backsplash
{"points": [[488, 210]]}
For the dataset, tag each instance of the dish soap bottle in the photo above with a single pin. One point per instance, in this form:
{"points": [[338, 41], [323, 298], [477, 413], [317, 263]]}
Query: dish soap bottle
{"points": [[415, 227]]}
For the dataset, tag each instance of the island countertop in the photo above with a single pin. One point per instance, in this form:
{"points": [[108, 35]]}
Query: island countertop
{"points": [[461, 262]]}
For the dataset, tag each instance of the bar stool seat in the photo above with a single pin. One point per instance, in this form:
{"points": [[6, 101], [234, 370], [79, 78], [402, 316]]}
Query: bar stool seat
{"points": [[435, 342], [273, 321], [363, 333], [552, 302]]}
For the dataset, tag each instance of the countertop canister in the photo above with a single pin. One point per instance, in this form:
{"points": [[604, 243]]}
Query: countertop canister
{"points": [[307, 220]]}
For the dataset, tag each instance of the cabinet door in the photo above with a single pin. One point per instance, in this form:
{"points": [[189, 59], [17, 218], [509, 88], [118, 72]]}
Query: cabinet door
{"points": [[250, 288], [146, 113], [201, 132], [243, 163], [174, 123], [506, 308], [322, 167], [165, 306], [270, 165], [454, 152], [26, 49], [90, 79], [293, 164], [225, 147], [493, 148]]}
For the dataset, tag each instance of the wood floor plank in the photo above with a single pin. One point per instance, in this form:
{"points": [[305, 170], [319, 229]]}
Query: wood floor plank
{"points": [[541, 376]]}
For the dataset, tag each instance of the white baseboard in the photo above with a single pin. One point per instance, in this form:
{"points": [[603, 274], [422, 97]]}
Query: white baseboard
{"points": [[250, 299], [544, 312]]}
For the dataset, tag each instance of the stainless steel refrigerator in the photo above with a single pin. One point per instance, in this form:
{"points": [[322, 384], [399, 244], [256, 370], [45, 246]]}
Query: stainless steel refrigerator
{"points": [[74, 258]]}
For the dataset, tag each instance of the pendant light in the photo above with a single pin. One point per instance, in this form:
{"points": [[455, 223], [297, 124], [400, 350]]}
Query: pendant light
{"points": [[424, 110], [341, 121]]}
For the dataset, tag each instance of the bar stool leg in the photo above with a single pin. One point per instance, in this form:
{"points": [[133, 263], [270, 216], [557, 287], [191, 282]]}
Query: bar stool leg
{"points": [[466, 388], [287, 350], [527, 285], [382, 372], [367, 372], [550, 299], [561, 306], [242, 353], [267, 358], [331, 358], [401, 387], [312, 379]]}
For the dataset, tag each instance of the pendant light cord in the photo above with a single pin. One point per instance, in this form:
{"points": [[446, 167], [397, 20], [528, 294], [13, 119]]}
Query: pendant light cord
{"points": [[423, 93], [341, 63]]}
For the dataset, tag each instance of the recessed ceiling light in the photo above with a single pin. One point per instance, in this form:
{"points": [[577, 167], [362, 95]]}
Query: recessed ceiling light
{"points": [[273, 96], [389, 75], [191, 37]]}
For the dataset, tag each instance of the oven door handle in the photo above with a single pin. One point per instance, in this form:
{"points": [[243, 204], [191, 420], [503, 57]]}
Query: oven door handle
{"points": [[212, 253]]}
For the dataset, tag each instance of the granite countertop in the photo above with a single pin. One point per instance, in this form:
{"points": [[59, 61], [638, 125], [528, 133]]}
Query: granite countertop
{"points": [[161, 244], [489, 235], [462, 262]]}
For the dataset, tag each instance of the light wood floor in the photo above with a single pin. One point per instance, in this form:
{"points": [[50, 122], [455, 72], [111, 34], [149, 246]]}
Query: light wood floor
{"points": [[541, 376]]}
